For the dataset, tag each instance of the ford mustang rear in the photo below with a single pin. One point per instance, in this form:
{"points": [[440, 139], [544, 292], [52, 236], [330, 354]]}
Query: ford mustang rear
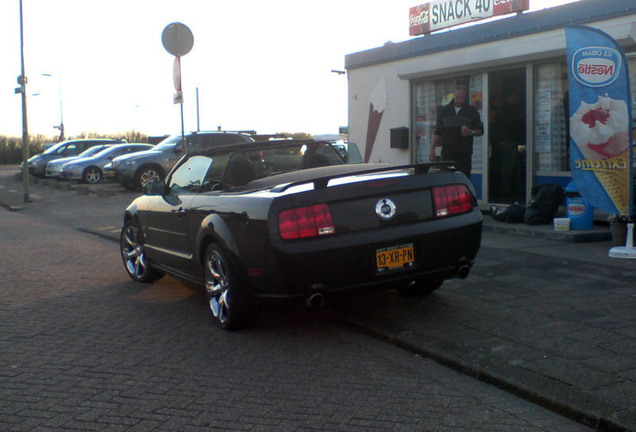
{"points": [[297, 220]]}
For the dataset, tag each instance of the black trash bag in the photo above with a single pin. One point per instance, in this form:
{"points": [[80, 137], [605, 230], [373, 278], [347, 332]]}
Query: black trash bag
{"points": [[510, 213], [544, 204]]}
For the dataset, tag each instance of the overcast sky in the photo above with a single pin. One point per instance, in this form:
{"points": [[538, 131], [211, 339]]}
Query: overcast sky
{"points": [[258, 65]]}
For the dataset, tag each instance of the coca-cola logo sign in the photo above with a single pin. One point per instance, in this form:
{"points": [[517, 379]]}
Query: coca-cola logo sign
{"points": [[596, 66], [419, 18]]}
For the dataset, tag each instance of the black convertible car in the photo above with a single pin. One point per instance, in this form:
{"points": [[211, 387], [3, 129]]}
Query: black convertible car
{"points": [[300, 220]]}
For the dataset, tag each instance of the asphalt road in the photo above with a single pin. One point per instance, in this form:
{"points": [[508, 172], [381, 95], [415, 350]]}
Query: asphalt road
{"points": [[84, 348]]}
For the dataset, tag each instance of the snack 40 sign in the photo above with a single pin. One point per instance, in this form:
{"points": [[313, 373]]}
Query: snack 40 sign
{"points": [[440, 14]]}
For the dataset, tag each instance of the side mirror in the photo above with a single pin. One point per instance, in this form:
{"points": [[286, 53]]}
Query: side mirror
{"points": [[155, 188]]}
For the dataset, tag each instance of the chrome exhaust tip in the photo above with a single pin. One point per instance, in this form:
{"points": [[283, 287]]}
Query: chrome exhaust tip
{"points": [[315, 300], [463, 272]]}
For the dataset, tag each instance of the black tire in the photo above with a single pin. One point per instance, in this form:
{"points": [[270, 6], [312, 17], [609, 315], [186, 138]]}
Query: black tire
{"points": [[146, 174], [419, 287], [133, 254], [92, 175], [230, 305]]}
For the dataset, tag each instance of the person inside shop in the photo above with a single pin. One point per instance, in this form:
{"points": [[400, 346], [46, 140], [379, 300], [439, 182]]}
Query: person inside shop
{"points": [[457, 124], [510, 129]]}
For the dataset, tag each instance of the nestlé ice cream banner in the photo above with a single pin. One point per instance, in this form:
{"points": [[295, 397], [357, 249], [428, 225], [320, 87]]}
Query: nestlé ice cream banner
{"points": [[600, 119]]}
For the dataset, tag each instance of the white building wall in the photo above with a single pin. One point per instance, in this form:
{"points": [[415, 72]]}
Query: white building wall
{"points": [[372, 84]]}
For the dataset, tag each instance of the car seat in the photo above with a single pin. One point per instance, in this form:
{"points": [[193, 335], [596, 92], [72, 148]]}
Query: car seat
{"points": [[315, 160], [239, 172]]}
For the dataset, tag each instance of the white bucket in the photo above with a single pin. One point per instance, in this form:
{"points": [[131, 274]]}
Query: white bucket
{"points": [[562, 224]]}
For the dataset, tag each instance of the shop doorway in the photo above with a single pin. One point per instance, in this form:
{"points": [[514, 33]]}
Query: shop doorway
{"points": [[507, 132]]}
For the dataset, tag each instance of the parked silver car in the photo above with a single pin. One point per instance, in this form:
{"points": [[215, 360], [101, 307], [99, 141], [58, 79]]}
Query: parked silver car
{"points": [[91, 169], [53, 168], [37, 164]]}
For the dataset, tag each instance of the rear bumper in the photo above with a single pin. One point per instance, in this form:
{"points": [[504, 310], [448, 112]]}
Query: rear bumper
{"points": [[443, 248]]}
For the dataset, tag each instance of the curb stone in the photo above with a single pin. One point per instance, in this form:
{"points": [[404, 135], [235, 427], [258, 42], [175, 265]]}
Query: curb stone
{"points": [[578, 410]]}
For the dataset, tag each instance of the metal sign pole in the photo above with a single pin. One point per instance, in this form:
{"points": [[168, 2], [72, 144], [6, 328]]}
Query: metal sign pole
{"points": [[198, 124], [183, 140]]}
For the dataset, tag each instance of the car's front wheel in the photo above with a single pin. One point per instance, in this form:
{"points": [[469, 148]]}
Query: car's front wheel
{"points": [[146, 175], [230, 305], [92, 175], [134, 255], [420, 287]]}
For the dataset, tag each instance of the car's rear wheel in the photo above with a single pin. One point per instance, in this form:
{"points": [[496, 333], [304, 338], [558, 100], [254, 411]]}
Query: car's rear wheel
{"points": [[230, 305], [92, 175], [146, 175], [134, 255], [419, 287]]}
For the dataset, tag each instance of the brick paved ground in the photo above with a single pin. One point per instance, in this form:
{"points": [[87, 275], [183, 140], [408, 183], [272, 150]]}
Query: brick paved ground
{"points": [[84, 348], [554, 322]]}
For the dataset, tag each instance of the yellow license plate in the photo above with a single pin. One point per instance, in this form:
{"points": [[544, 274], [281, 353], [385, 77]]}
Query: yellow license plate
{"points": [[395, 257]]}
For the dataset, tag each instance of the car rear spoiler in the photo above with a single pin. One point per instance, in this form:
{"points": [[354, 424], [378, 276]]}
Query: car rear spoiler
{"points": [[322, 182]]}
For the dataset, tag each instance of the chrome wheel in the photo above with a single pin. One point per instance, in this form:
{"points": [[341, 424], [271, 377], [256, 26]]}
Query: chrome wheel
{"points": [[217, 287], [229, 303], [134, 256], [148, 175], [92, 175]]}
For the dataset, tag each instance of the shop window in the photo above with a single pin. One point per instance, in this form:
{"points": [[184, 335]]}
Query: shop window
{"points": [[429, 97], [425, 118], [551, 119]]}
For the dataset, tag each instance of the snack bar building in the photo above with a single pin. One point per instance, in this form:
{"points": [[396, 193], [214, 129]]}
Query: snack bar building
{"points": [[516, 64]]}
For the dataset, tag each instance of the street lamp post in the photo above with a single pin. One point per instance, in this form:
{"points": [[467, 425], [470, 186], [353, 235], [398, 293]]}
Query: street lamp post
{"points": [[22, 80]]}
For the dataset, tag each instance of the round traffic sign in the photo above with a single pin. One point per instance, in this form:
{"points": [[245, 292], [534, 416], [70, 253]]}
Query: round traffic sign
{"points": [[177, 39]]}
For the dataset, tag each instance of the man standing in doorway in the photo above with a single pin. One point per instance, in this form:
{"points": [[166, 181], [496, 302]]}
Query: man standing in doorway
{"points": [[457, 124], [510, 129]]}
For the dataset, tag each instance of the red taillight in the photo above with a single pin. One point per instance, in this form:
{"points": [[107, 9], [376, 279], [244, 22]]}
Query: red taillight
{"points": [[305, 222], [451, 200]]}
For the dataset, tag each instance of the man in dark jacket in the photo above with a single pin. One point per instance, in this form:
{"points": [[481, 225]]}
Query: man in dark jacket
{"points": [[457, 123]]}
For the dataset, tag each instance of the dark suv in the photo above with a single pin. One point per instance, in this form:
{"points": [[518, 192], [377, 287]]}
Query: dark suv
{"points": [[135, 170], [37, 163]]}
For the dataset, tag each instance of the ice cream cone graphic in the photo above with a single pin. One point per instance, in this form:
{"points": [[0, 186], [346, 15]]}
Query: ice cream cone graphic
{"points": [[600, 130], [601, 134], [616, 184], [377, 106]]}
